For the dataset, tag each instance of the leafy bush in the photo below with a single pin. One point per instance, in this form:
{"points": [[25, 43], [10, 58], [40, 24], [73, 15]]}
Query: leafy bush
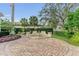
{"points": [[6, 25], [17, 30], [75, 39], [4, 34], [70, 34]]}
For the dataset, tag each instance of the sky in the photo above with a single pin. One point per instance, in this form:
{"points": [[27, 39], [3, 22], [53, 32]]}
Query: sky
{"points": [[21, 10]]}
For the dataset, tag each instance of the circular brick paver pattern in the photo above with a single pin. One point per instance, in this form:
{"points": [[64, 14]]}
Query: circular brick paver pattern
{"points": [[37, 45]]}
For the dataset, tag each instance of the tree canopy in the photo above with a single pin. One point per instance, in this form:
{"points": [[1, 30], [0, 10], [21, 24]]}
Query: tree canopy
{"points": [[56, 12], [33, 20], [72, 22], [24, 22]]}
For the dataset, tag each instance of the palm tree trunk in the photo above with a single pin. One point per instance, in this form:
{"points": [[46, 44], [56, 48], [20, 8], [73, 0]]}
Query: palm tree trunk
{"points": [[12, 18]]}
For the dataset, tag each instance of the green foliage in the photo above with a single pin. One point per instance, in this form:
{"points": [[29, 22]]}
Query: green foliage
{"points": [[76, 18], [61, 35], [18, 30], [75, 39], [52, 23], [55, 12], [24, 22], [33, 20], [3, 33], [72, 23], [69, 24], [6, 25], [72, 26]]}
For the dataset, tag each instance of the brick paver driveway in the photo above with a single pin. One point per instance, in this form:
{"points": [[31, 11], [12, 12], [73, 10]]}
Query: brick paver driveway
{"points": [[37, 45]]}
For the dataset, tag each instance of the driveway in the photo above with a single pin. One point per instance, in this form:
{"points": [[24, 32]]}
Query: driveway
{"points": [[37, 45]]}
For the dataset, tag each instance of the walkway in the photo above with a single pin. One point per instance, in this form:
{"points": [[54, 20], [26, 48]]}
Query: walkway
{"points": [[37, 45]]}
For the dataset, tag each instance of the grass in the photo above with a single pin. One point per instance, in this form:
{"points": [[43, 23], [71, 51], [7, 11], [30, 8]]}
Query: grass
{"points": [[74, 40], [60, 35]]}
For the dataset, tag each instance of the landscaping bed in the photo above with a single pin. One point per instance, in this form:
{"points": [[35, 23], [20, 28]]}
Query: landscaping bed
{"points": [[9, 38]]}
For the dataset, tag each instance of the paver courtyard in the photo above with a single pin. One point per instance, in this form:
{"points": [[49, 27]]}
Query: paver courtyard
{"points": [[37, 45]]}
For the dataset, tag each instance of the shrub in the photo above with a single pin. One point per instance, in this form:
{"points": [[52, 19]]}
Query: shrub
{"points": [[3, 33], [17, 30], [74, 39], [6, 25], [70, 34], [34, 29]]}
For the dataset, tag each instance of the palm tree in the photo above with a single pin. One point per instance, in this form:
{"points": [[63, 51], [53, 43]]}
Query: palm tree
{"points": [[12, 18], [33, 21], [24, 23]]}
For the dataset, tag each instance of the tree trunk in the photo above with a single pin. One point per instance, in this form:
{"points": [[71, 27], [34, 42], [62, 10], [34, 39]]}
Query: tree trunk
{"points": [[12, 18]]}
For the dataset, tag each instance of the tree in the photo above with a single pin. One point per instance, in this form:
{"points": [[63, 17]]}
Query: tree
{"points": [[52, 23], [24, 23], [72, 22], [76, 19], [56, 12], [69, 23], [33, 20], [75, 38]]}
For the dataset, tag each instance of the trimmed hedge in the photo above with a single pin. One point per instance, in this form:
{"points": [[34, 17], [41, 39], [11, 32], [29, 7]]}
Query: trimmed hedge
{"points": [[3, 33], [18, 30], [34, 29]]}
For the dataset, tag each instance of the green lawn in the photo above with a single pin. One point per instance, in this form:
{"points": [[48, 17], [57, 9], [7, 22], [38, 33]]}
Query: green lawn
{"points": [[60, 35], [74, 40]]}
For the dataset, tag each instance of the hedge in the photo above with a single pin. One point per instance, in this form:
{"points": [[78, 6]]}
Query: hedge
{"points": [[3, 33], [34, 29]]}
